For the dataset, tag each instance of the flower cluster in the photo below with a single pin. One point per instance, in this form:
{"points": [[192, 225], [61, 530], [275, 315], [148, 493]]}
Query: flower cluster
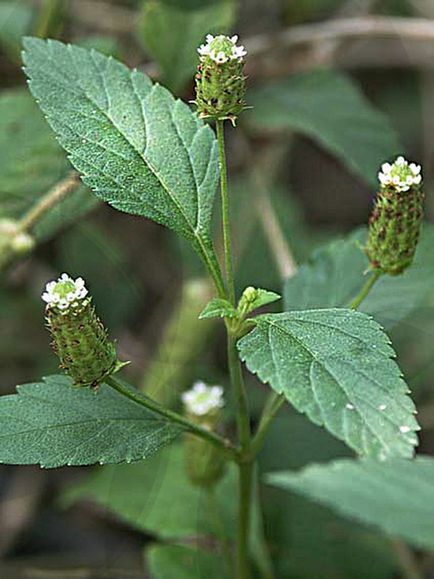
{"points": [[221, 49], [65, 292], [400, 175], [202, 399]]}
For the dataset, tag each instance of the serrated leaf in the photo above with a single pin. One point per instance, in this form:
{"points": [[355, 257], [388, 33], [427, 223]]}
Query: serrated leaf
{"points": [[31, 162], [328, 107], [137, 147], [397, 496], [53, 424], [336, 366], [218, 308], [183, 562], [335, 275], [172, 31]]}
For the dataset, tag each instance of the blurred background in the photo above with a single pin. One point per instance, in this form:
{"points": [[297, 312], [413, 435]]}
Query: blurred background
{"points": [[336, 87]]}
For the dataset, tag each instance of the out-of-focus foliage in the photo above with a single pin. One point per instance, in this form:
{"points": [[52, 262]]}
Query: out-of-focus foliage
{"points": [[336, 273], [168, 561], [15, 20], [183, 24], [374, 493], [328, 107], [31, 162], [342, 548]]}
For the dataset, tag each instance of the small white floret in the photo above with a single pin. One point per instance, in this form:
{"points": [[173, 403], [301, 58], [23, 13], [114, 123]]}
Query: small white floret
{"points": [[215, 49], [203, 399], [65, 292], [400, 175]]}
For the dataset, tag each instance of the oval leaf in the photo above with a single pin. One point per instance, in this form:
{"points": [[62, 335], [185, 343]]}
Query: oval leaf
{"points": [[137, 147]]}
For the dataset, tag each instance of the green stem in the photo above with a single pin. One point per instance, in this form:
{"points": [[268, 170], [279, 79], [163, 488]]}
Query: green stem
{"points": [[243, 418], [272, 407], [48, 201], [365, 289], [225, 211], [245, 463], [134, 395]]}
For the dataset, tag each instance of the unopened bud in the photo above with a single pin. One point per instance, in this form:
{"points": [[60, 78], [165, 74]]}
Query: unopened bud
{"points": [[395, 222], [79, 338], [204, 462], [220, 82]]}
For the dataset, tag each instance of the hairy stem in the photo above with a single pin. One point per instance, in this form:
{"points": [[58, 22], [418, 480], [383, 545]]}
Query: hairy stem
{"points": [[136, 396], [365, 289], [51, 199], [225, 211], [245, 463]]}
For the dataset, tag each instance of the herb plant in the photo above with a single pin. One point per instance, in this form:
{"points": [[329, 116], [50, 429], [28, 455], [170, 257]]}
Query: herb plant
{"points": [[147, 153]]}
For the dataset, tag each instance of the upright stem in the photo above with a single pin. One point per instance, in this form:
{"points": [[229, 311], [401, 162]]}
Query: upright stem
{"points": [[225, 211], [365, 289], [245, 462]]}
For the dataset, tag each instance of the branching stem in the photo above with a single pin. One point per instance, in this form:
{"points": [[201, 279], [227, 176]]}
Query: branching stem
{"points": [[150, 404]]}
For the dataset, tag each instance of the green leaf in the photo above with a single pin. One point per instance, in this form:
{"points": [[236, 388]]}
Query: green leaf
{"points": [[169, 561], [397, 496], [335, 275], [335, 365], [31, 162], [218, 308], [137, 147], [15, 21], [263, 298], [171, 32], [53, 424], [329, 108], [342, 548]]}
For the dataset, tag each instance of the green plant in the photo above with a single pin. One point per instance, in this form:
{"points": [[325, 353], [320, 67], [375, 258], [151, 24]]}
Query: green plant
{"points": [[146, 153]]}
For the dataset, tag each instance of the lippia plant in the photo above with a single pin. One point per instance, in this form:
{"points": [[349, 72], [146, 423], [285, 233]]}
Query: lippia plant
{"points": [[146, 153]]}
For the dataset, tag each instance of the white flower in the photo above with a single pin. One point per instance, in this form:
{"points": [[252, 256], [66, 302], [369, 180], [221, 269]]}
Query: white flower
{"points": [[400, 175], [203, 399], [238, 52], [64, 292], [219, 49]]}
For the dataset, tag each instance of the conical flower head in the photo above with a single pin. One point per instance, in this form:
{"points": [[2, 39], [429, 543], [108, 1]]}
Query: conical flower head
{"points": [[220, 82], [79, 339], [204, 462], [395, 222]]}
